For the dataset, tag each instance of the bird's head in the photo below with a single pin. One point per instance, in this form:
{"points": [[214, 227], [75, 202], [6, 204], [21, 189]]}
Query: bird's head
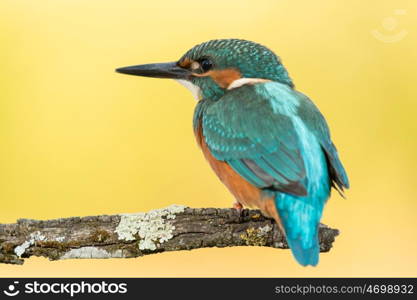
{"points": [[211, 68]]}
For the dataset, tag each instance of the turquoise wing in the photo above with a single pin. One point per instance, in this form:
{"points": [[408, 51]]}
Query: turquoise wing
{"points": [[256, 140]]}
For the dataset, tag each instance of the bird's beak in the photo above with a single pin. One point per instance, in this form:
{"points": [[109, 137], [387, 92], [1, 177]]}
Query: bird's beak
{"points": [[162, 70]]}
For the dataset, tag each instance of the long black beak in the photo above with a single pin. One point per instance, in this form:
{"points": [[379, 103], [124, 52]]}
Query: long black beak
{"points": [[163, 70]]}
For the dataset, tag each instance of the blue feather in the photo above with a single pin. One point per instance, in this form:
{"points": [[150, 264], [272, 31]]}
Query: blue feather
{"points": [[300, 216]]}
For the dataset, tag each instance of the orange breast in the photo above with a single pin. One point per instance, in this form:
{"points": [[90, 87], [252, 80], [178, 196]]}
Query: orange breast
{"points": [[244, 192]]}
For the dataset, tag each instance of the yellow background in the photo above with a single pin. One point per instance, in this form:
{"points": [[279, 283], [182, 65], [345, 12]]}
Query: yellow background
{"points": [[78, 139]]}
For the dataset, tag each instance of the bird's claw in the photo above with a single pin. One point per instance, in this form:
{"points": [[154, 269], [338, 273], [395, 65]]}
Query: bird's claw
{"points": [[238, 207]]}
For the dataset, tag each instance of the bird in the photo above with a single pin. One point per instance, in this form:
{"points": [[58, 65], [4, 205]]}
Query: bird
{"points": [[267, 142]]}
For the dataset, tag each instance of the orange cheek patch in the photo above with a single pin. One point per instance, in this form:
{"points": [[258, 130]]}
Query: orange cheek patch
{"points": [[224, 77]]}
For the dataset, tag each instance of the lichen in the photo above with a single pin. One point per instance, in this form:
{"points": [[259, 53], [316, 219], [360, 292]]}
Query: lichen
{"points": [[33, 237], [256, 236], [279, 245], [60, 239], [91, 252], [19, 250], [152, 227]]}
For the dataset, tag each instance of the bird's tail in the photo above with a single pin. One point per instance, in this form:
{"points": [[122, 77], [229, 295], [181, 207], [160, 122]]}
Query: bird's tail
{"points": [[300, 221], [305, 256]]}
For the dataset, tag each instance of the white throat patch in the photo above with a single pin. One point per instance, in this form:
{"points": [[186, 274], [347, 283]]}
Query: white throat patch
{"points": [[195, 90]]}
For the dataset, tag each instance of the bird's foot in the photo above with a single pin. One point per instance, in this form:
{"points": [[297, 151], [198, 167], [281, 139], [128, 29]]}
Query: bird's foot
{"points": [[238, 207]]}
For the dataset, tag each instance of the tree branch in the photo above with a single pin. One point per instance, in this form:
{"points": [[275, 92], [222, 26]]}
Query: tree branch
{"points": [[131, 235]]}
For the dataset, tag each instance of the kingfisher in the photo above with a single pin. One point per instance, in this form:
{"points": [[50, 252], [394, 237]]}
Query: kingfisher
{"points": [[267, 142]]}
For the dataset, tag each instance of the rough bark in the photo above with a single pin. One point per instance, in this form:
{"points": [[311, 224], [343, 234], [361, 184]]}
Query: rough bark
{"points": [[103, 236]]}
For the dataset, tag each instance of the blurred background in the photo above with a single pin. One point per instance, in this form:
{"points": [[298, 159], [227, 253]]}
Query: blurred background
{"points": [[78, 139]]}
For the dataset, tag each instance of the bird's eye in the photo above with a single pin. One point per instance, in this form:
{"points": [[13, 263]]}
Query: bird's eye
{"points": [[205, 64]]}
